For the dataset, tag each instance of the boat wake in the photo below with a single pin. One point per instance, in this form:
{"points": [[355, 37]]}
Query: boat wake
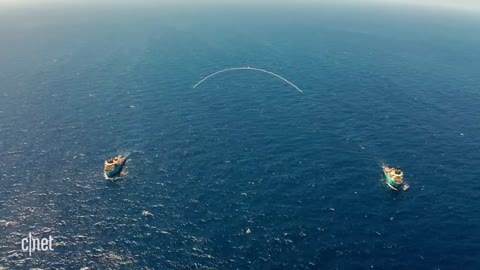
{"points": [[248, 68]]}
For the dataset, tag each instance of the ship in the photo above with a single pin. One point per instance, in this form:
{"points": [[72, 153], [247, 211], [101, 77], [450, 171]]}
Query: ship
{"points": [[394, 178], [113, 166]]}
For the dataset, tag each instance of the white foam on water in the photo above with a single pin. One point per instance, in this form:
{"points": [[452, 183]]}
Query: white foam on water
{"points": [[248, 68]]}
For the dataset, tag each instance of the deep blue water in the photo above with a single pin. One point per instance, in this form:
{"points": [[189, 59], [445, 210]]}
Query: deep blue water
{"points": [[243, 150]]}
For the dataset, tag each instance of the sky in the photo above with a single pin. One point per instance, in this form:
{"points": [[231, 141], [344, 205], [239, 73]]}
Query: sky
{"points": [[468, 5], [473, 5]]}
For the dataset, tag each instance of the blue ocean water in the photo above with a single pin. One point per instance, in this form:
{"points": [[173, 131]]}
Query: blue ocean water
{"points": [[243, 150]]}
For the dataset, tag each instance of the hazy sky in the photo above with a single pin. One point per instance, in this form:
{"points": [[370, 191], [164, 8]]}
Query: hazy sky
{"points": [[473, 5], [457, 4]]}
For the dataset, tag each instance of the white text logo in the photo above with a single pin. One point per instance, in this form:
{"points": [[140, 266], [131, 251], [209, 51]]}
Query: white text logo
{"points": [[32, 244]]}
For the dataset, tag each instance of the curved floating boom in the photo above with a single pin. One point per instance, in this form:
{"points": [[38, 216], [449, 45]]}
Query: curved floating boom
{"points": [[248, 68]]}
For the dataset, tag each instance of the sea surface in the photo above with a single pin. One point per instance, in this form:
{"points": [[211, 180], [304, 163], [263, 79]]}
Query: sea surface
{"points": [[243, 151]]}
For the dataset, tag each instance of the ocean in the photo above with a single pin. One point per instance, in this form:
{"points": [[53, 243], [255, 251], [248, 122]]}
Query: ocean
{"points": [[243, 151]]}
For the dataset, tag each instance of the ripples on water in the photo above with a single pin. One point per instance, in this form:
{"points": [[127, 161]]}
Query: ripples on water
{"points": [[244, 152]]}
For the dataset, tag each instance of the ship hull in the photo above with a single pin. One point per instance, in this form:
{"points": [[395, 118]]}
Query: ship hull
{"points": [[116, 171], [392, 184]]}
